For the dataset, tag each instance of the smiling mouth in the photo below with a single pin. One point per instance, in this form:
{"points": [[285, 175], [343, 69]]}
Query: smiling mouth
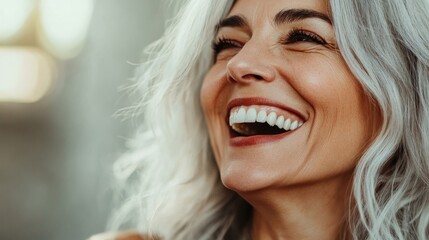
{"points": [[258, 121]]}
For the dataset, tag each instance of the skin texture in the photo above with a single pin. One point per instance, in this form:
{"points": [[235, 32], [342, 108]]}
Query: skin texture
{"points": [[299, 185]]}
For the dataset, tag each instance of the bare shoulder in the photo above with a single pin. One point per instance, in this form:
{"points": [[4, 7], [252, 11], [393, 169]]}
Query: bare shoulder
{"points": [[122, 236]]}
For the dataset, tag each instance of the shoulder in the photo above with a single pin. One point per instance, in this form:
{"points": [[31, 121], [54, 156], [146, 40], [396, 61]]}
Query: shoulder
{"points": [[122, 236]]}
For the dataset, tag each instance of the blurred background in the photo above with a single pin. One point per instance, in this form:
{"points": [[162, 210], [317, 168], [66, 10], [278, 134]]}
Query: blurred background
{"points": [[62, 63]]}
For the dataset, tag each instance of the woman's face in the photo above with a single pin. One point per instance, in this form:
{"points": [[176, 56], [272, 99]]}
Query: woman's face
{"points": [[281, 106]]}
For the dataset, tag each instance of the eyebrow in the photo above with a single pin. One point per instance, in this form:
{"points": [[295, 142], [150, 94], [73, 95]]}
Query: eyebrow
{"points": [[284, 16], [233, 21], [292, 15]]}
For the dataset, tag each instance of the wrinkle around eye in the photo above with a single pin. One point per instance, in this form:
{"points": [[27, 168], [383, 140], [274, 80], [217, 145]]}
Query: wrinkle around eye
{"points": [[312, 53], [310, 47]]}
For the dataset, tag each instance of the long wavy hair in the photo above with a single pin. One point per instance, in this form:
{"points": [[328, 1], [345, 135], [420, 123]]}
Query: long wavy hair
{"points": [[169, 180]]}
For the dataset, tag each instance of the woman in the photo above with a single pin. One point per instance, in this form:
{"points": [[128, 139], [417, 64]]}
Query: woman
{"points": [[307, 120]]}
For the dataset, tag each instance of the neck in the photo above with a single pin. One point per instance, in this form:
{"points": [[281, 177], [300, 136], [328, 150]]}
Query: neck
{"points": [[310, 211]]}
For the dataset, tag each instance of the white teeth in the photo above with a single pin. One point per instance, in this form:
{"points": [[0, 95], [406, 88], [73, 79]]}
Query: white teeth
{"points": [[286, 125], [250, 115], [240, 116], [280, 121], [271, 119], [262, 117], [294, 125]]}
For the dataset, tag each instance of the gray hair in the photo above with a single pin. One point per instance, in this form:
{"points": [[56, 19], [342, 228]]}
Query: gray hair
{"points": [[386, 45], [169, 177]]}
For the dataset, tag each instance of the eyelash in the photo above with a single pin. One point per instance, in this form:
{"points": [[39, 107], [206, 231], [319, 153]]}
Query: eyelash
{"points": [[301, 35], [294, 36], [224, 43]]}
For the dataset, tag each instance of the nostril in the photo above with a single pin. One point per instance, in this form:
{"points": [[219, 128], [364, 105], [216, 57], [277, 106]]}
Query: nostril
{"points": [[258, 77], [245, 73], [252, 76]]}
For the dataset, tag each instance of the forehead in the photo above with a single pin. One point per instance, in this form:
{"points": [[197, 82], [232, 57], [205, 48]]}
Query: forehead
{"points": [[259, 9]]}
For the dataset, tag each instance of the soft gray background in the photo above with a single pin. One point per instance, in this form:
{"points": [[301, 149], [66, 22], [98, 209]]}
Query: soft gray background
{"points": [[55, 156]]}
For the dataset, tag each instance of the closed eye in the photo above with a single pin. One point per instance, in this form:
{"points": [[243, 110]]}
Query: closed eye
{"points": [[223, 43], [300, 35]]}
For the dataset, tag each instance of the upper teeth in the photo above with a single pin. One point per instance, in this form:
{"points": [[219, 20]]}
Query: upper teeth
{"points": [[252, 115]]}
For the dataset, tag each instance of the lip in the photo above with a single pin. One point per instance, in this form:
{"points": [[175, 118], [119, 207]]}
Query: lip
{"points": [[254, 140], [241, 141]]}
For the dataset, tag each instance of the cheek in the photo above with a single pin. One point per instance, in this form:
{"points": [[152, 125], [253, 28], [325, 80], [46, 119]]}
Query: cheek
{"points": [[205, 94], [343, 117], [328, 86], [211, 89], [211, 97], [208, 100]]}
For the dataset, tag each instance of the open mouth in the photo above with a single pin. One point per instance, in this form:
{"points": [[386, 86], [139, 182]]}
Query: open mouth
{"points": [[258, 121], [254, 129]]}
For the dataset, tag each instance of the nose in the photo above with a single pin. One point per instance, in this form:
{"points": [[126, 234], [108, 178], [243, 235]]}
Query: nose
{"points": [[250, 64]]}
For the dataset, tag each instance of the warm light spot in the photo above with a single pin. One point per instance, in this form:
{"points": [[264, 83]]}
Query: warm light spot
{"points": [[64, 25], [13, 16], [25, 74]]}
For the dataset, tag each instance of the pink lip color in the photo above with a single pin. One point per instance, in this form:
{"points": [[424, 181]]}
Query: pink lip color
{"points": [[258, 139], [240, 141]]}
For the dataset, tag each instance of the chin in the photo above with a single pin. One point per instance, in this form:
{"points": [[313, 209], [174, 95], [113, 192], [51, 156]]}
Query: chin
{"points": [[243, 179]]}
